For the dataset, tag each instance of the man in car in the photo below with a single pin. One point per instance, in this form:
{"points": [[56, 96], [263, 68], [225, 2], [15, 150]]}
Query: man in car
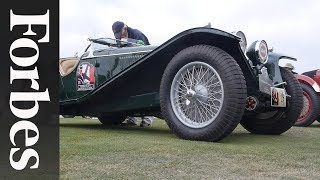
{"points": [[123, 32]]}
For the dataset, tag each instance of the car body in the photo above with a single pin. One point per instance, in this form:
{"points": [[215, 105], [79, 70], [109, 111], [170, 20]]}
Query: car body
{"points": [[203, 82], [310, 83]]}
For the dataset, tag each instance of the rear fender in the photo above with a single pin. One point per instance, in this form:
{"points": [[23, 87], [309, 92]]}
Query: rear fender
{"points": [[315, 75]]}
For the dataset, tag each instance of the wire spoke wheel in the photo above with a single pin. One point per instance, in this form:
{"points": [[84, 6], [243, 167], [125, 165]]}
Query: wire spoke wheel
{"points": [[202, 93], [307, 105], [197, 94], [311, 106]]}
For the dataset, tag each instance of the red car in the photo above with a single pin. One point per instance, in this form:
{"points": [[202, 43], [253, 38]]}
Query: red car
{"points": [[310, 83]]}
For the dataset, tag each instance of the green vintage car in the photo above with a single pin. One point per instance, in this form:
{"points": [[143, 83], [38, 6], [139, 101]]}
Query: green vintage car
{"points": [[203, 82]]}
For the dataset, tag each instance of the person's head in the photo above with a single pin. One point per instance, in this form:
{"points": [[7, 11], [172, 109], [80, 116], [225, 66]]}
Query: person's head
{"points": [[289, 67], [120, 30]]}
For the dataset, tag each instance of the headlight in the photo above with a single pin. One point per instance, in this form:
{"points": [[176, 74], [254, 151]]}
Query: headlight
{"points": [[243, 40], [262, 50], [258, 51]]}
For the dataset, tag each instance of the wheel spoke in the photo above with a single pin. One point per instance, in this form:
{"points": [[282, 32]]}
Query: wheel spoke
{"points": [[205, 106], [202, 119], [203, 74], [183, 85], [184, 82], [189, 78], [209, 81], [180, 92]]}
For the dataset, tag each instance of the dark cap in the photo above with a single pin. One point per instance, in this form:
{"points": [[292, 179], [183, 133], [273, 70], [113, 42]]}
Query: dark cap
{"points": [[117, 28]]}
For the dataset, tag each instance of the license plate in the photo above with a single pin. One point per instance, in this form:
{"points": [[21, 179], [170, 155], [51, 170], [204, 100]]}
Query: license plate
{"points": [[278, 97]]}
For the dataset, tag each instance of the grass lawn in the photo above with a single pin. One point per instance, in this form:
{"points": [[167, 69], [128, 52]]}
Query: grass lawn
{"points": [[91, 151]]}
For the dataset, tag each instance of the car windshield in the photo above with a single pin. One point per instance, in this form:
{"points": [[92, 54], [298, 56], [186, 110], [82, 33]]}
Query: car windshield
{"points": [[103, 43]]}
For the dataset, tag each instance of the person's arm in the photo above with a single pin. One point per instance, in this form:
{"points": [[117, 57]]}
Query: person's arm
{"points": [[145, 39], [138, 35], [141, 36]]}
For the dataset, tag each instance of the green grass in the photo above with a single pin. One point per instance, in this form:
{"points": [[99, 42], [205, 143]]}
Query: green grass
{"points": [[91, 151]]}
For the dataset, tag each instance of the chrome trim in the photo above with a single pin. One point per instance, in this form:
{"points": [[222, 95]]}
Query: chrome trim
{"points": [[316, 87], [93, 56], [280, 84]]}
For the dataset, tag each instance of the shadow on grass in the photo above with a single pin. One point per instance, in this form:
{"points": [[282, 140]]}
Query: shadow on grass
{"points": [[122, 127], [248, 138], [314, 125], [235, 137]]}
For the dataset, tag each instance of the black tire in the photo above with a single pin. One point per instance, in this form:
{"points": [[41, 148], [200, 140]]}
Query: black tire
{"points": [[310, 111], [111, 120], [279, 121], [232, 81], [68, 116]]}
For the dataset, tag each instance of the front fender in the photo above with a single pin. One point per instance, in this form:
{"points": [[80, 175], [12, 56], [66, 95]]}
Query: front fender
{"points": [[213, 37], [273, 66], [309, 81]]}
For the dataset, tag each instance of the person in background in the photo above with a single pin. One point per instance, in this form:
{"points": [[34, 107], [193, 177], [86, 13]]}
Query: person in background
{"points": [[290, 68], [122, 31]]}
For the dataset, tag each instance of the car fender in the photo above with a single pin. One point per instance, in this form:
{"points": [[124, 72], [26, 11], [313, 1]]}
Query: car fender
{"points": [[314, 74], [213, 37], [309, 81], [273, 66]]}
